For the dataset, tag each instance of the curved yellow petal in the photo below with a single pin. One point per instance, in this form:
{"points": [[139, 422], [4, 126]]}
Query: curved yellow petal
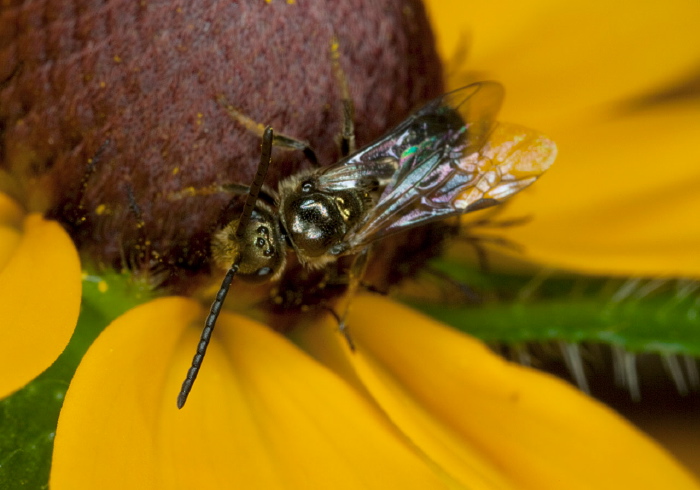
{"points": [[11, 217], [463, 461], [40, 287], [454, 399], [262, 414], [558, 60], [11, 213], [623, 197]]}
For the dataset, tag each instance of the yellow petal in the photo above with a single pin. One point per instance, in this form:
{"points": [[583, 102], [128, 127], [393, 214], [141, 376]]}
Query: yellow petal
{"points": [[558, 60], [459, 458], [262, 414], [11, 217], [11, 213], [40, 287], [622, 198], [455, 399]]}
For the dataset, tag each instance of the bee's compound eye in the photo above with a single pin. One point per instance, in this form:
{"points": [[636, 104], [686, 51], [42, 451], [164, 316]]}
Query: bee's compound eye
{"points": [[262, 250]]}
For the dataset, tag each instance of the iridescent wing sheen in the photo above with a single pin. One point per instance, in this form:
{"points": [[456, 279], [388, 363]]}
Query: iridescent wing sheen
{"points": [[449, 158], [512, 158], [440, 122]]}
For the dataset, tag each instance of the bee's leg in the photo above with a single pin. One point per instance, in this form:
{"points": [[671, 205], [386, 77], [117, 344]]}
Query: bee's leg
{"points": [[341, 326], [347, 135], [280, 140], [205, 191], [357, 271], [231, 208], [235, 189], [477, 240]]}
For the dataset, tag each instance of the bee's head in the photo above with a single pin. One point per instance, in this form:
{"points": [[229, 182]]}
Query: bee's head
{"points": [[261, 246]]}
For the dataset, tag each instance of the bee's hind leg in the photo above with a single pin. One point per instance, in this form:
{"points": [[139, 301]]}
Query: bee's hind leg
{"points": [[355, 275], [342, 327]]}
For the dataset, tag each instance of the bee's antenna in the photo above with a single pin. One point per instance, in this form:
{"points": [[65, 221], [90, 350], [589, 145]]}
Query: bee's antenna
{"points": [[265, 156]]}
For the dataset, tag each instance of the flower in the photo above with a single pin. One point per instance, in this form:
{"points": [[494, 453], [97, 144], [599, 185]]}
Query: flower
{"points": [[416, 406], [616, 86], [40, 285]]}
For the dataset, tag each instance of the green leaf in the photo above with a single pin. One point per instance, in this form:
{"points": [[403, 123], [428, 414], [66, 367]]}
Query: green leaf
{"points": [[639, 315], [28, 418]]}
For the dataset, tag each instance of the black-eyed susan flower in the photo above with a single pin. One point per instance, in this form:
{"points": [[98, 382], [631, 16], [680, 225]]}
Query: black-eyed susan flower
{"points": [[417, 405]]}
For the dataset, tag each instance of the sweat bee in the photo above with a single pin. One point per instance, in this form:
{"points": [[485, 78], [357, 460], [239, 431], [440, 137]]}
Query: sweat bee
{"points": [[448, 158]]}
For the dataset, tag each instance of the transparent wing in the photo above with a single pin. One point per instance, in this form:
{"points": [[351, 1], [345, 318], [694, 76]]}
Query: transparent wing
{"points": [[420, 144], [512, 159], [465, 161]]}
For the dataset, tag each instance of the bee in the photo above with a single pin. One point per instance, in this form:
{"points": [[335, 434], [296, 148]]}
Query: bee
{"points": [[449, 158]]}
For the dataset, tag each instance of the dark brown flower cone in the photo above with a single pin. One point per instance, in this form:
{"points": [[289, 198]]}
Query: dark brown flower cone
{"points": [[108, 109]]}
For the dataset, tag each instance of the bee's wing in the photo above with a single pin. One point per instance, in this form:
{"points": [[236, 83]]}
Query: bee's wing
{"points": [[464, 162], [388, 162], [512, 159], [457, 121]]}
